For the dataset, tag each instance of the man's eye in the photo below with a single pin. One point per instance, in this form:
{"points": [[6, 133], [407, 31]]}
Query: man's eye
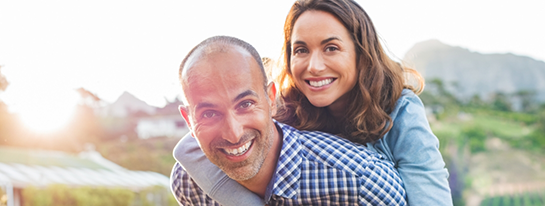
{"points": [[245, 105], [208, 114]]}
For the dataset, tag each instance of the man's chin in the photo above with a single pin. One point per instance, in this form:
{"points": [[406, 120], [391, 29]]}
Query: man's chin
{"points": [[241, 173]]}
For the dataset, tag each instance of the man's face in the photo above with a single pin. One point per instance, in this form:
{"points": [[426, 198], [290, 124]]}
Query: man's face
{"points": [[229, 112]]}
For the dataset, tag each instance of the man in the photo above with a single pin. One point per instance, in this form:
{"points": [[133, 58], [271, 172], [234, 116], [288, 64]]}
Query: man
{"points": [[229, 108]]}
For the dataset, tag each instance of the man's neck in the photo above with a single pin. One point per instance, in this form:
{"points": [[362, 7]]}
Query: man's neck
{"points": [[258, 184]]}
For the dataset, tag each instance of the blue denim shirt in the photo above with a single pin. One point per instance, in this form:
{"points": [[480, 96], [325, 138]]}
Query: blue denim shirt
{"points": [[410, 145], [414, 150]]}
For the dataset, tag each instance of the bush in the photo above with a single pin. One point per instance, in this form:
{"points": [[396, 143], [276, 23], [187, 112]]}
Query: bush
{"points": [[475, 138], [527, 198], [83, 196]]}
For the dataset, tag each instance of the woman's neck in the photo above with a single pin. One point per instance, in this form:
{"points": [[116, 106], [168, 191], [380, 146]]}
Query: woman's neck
{"points": [[335, 112], [339, 107]]}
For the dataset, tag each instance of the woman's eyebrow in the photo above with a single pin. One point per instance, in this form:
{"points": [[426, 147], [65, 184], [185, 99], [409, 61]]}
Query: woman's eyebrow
{"points": [[325, 41], [300, 42]]}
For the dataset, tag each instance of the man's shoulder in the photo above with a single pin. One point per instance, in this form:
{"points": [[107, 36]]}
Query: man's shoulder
{"points": [[330, 150], [185, 190], [328, 161]]}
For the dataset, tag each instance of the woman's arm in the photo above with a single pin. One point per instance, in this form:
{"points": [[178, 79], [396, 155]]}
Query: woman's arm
{"points": [[210, 178], [414, 149]]}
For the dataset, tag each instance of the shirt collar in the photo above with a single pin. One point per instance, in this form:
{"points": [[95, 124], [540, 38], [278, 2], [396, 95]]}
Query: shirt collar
{"points": [[288, 169]]}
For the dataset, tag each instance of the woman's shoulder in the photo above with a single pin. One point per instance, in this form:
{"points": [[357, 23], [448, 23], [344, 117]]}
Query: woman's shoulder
{"points": [[410, 131], [409, 103]]}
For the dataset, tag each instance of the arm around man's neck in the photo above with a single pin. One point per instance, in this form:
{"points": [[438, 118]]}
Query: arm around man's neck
{"points": [[210, 178]]}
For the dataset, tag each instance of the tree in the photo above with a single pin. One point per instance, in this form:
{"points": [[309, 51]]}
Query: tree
{"points": [[528, 102], [88, 98], [3, 81], [501, 102], [85, 126], [6, 119]]}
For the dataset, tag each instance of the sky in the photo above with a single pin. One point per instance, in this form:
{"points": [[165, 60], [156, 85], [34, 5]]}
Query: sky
{"points": [[50, 48]]}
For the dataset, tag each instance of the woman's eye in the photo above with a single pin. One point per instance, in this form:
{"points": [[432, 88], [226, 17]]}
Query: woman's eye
{"points": [[300, 50], [208, 114], [331, 48]]}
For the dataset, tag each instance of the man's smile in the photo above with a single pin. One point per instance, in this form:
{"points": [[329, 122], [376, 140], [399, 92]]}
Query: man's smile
{"points": [[238, 151]]}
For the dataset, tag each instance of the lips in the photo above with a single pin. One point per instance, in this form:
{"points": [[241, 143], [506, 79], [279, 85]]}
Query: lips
{"points": [[320, 83], [238, 151]]}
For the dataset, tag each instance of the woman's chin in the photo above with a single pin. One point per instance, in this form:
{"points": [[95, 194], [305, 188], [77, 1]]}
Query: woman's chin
{"points": [[320, 103]]}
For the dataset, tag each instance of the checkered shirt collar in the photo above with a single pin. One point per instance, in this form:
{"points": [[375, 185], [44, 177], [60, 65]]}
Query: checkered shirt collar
{"points": [[288, 169]]}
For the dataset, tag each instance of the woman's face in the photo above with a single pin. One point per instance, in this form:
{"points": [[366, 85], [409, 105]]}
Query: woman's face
{"points": [[323, 60]]}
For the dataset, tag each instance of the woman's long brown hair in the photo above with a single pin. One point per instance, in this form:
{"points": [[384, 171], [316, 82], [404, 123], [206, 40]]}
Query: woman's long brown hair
{"points": [[380, 79]]}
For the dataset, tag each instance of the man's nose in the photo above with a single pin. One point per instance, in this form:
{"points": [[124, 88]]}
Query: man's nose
{"points": [[233, 130], [316, 64]]}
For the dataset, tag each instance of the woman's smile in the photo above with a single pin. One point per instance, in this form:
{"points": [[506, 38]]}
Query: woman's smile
{"points": [[323, 61]]}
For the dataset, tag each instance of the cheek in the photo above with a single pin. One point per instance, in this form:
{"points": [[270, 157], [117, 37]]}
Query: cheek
{"points": [[352, 76], [296, 74], [295, 67], [204, 135], [259, 120], [350, 70]]}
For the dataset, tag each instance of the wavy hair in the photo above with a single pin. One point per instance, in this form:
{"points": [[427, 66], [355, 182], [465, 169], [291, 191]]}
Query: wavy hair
{"points": [[379, 84]]}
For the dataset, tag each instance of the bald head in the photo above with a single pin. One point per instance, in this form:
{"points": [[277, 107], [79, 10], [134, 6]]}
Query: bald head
{"points": [[215, 45], [229, 106]]}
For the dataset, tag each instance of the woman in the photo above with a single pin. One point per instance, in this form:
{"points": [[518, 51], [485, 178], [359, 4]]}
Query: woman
{"points": [[337, 78]]}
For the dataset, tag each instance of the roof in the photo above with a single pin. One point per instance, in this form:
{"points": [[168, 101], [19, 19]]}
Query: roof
{"points": [[23, 167], [44, 158]]}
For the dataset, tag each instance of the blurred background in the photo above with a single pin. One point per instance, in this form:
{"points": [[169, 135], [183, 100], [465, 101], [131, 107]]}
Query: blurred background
{"points": [[89, 91]]}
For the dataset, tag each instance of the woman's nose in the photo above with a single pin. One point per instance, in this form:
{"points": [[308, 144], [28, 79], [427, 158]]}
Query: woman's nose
{"points": [[316, 64]]}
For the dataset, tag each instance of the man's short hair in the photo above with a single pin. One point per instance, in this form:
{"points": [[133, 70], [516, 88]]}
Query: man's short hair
{"points": [[221, 43]]}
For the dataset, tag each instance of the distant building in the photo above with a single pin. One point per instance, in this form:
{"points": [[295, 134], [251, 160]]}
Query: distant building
{"points": [[146, 121], [21, 168], [166, 122], [125, 105], [158, 126]]}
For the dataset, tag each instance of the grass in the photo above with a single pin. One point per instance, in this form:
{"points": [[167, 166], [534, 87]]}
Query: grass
{"points": [[526, 199], [492, 124]]}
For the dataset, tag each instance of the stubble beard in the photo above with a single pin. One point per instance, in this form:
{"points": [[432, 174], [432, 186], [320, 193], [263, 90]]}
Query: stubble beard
{"points": [[247, 169]]}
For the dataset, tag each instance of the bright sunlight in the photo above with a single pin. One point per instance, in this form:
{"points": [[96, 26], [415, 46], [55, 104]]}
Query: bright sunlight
{"points": [[47, 110]]}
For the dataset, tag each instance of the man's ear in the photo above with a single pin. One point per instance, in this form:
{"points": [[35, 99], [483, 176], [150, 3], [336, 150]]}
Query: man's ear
{"points": [[271, 91], [185, 115]]}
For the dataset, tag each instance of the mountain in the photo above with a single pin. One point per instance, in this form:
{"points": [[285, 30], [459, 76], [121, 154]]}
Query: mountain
{"points": [[465, 73]]}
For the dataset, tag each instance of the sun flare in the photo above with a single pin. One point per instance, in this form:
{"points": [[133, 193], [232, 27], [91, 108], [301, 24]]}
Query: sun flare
{"points": [[49, 111]]}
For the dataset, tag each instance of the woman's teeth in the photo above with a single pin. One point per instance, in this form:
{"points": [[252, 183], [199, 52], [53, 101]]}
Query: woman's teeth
{"points": [[320, 83], [238, 151]]}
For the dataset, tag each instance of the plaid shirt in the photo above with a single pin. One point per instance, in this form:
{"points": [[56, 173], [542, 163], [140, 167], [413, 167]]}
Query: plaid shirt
{"points": [[316, 168]]}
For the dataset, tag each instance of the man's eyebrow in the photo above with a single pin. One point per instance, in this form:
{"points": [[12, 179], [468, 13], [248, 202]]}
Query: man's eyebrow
{"points": [[244, 94], [204, 105], [240, 96]]}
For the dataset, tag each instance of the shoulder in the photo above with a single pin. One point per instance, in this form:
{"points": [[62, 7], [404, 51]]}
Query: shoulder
{"points": [[411, 137], [185, 190], [408, 103], [325, 149], [329, 161], [187, 147]]}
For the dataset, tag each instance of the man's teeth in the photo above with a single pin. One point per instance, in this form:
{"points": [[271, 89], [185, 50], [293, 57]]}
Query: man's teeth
{"points": [[239, 151], [320, 83]]}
